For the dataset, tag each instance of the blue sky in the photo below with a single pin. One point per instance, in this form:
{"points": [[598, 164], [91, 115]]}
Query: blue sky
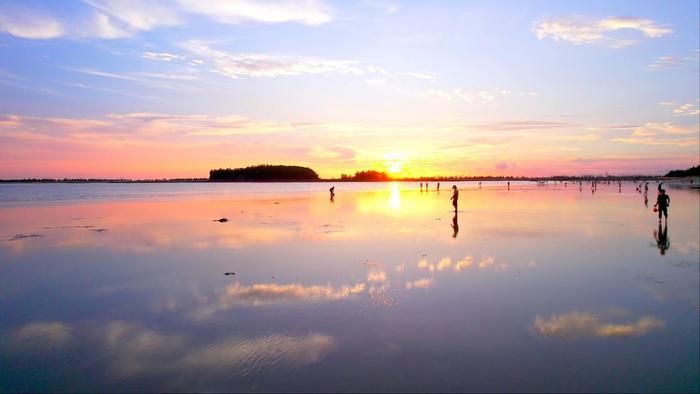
{"points": [[174, 88]]}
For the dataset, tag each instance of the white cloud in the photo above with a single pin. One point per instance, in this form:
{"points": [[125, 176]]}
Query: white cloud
{"points": [[309, 12], [578, 30], [26, 23], [102, 27], [139, 15], [687, 109]]}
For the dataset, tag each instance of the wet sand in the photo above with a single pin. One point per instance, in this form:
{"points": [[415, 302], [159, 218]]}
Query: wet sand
{"points": [[540, 288]]}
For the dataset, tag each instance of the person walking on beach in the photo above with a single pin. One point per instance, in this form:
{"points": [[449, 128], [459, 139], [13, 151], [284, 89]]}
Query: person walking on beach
{"points": [[663, 201], [455, 196], [332, 191]]}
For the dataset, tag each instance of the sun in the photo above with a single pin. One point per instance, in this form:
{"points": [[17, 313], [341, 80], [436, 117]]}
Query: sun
{"points": [[394, 163]]}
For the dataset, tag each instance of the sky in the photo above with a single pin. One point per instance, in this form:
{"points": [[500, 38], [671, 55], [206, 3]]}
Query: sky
{"points": [[169, 89]]}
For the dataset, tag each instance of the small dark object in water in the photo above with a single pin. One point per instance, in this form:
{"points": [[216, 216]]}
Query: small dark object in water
{"points": [[229, 273], [99, 230], [23, 236], [276, 202], [222, 220]]}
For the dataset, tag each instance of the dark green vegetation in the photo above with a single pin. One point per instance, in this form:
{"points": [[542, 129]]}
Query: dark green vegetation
{"points": [[692, 171], [265, 173], [366, 176]]}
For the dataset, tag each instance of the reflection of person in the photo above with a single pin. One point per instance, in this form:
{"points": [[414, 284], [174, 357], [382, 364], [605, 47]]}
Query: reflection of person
{"points": [[455, 196], [332, 190], [663, 201], [455, 225], [661, 236], [646, 201]]}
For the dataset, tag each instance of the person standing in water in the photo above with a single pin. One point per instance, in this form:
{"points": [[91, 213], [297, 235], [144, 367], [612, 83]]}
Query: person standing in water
{"points": [[438, 186], [332, 191], [455, 196], [663, 201]]}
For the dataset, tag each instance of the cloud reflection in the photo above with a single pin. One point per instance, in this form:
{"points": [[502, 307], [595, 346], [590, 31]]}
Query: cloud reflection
{"points": [[41, 335], [575, 325], [420, 284], [270, 293]]}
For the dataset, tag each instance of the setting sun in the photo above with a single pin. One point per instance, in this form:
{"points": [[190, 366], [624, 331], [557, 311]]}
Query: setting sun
{"points": [[394, 163]]}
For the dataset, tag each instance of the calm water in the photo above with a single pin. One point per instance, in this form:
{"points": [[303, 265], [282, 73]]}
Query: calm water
{"points": [[120, 287]]}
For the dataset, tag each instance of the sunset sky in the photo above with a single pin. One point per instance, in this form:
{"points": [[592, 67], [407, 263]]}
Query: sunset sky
{"points": [[143, 89]]}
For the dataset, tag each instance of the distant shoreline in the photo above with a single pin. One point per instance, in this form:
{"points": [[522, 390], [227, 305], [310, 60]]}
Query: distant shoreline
{"points": [[426, 179]]}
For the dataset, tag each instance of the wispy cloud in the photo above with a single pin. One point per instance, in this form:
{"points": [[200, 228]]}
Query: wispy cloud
{"points": [[579, 30], [519, 125], [160, 56], [112, 19], [236, 65], [656, 128], [664, 62], [483, 95]]}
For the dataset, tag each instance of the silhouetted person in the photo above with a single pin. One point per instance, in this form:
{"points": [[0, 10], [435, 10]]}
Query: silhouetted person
{"points": [[662, 203], [659, 187], [421, 186], [661, 236], [438, 186], [455, 226], [426, 186], [332, 191], [508, 185], [646, 201], [455, 197]]}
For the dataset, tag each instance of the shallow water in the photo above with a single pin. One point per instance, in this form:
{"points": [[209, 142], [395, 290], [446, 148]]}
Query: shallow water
{"points": [[122, 287]]}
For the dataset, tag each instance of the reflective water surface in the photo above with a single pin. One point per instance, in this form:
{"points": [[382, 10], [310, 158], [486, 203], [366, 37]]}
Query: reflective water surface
{"points": [[134, 287]]}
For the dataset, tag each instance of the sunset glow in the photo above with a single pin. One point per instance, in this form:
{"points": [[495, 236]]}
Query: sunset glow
{"points": [[163, 89]]}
